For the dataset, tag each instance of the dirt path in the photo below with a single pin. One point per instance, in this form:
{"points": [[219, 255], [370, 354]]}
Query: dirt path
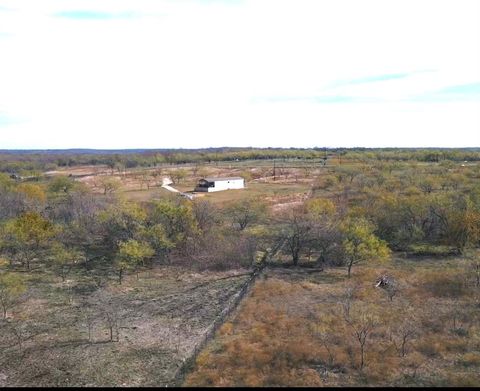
{"points": [[166, 182]]}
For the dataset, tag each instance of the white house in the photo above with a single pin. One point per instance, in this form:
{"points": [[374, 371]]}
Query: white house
{"points": [[218, 184]]}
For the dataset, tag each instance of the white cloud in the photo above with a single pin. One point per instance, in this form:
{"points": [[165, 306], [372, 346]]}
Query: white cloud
{"points": [[188, 73]]}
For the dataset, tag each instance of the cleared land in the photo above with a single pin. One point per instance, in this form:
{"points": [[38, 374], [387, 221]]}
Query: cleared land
{"points": [[157, 319], [145, 184]]}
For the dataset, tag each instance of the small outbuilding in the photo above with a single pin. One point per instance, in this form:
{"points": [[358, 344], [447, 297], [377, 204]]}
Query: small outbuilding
{"points": [[219, 184]]}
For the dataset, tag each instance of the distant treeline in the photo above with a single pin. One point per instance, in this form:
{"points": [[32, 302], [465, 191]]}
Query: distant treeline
{"points": [[31, 160]]}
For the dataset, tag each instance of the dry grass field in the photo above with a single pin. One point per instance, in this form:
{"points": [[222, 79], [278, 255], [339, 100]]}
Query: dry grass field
{"points": [[145, 184], [64, 337], [298, 329]]}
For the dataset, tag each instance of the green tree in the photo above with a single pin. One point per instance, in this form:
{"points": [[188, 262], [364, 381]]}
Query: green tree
{"points": [[463, 226], [320, 208], [34, 193], [5, 181], [27, 236], [156, 236], [64, 258], [61, 184], [178, 175], [11, 287], [130, 255], [177, 218], [109, 184], [121, 222], [360, 243]]}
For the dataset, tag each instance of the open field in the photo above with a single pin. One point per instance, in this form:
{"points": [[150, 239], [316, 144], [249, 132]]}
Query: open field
{"points": [[145, 184], [60, 334], [293, 330]]}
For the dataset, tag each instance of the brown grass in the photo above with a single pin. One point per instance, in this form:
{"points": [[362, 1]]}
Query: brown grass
{"points": [[295, 333]]}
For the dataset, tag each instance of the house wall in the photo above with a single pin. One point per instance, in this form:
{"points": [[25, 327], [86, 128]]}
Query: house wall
{"points": [[226, 185]]}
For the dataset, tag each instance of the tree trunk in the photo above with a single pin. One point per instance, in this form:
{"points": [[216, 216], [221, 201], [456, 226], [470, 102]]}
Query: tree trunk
{"points": [[295, 258], [349, 269], [404, 346], [362, 355]]}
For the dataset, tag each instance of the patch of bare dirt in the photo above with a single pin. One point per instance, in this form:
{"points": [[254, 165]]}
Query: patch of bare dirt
{"points": [[156, 321]]}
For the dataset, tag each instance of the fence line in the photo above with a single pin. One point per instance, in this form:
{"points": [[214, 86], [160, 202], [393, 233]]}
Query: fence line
{"points": [[189, 362]]}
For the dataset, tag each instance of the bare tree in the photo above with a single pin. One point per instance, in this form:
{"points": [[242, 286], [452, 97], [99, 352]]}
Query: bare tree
{"points": [[145, 179], [89, 322], [362, 326], [296, 231], [403, 334], [206, 214], [112, 321], [346, 299], [246, 212], [18, 332]]}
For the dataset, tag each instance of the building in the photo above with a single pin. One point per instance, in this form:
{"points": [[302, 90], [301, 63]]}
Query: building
{"points": [[219, 184]]}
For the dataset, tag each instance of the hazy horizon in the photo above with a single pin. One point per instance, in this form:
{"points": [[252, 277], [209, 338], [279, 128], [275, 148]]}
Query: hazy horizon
{"points": [[227, 147], [193, 74]]}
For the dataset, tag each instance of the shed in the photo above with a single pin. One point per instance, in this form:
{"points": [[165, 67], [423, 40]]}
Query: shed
{"points": [[219, 184]]}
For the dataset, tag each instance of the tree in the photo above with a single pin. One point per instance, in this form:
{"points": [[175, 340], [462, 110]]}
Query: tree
{"points": [[130, 255], [177, 218], [27, 235], [64, 258], [11, 287], [113, 323], [61, 184], [32, 192], [109, 184], [111, 162], [146, 178], [362, 324], [402, 333], [463, 228], [361, 244], [296, 232], [320, 208], [178, 175], [156, 236], [121, 222], [206, 214], [246, 212]]}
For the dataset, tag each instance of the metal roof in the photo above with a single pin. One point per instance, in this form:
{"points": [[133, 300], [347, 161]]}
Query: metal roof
{"points": [[223, 179]]}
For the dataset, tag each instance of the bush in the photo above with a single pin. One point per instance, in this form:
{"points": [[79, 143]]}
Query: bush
{"points": [[429, 347], [443, 284], [431, 250], [471, 359]]}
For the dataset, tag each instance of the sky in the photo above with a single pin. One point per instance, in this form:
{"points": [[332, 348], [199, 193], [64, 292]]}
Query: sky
{"points": [[114, 74]]}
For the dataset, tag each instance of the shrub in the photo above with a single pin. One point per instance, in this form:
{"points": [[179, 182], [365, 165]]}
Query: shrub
{"points": [[429, 347], [443, 284], [471, 359], [431, 250]]}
